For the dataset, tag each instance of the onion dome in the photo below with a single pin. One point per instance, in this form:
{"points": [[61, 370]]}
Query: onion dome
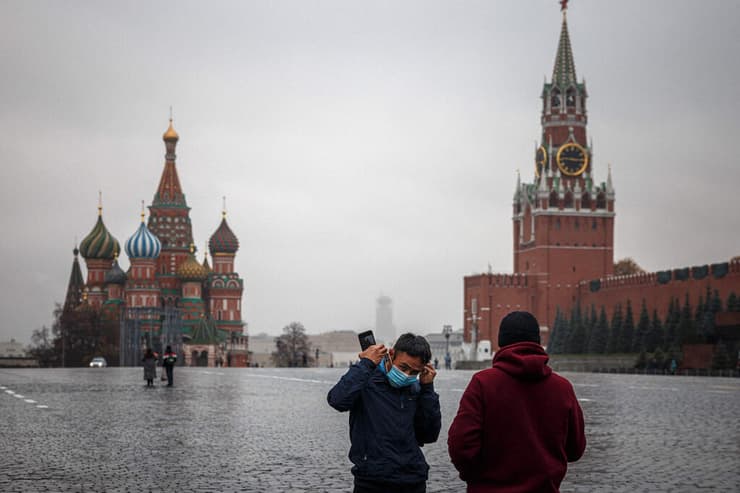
{"points": [[143, 243], [115, 275], [223, 240], [99, 243], [170, 134], [191, 270]]}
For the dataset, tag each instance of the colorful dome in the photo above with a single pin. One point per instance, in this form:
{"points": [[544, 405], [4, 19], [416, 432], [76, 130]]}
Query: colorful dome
{"points": [[143, 243], [99, 244], [223, 240], [191, 270], [115, 275]]}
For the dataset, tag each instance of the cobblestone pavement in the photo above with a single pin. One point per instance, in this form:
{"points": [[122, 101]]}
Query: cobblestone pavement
{"points": [[271, 430]]}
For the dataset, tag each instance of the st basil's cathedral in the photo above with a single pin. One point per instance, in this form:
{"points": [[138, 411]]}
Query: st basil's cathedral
{"points": [[167, 296]]}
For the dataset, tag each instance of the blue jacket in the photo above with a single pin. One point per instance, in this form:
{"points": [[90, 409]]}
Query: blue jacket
{"points": [[386, 425]]}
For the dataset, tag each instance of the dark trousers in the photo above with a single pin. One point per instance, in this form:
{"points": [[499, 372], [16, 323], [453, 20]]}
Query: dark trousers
{"points": [[365, 486], [170, 377]]}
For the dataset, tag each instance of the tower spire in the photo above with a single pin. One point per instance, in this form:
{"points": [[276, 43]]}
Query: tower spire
{"points": [[564, 71]]}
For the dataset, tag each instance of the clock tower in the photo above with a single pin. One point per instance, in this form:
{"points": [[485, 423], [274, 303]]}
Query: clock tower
{"points": [[563, 219]]}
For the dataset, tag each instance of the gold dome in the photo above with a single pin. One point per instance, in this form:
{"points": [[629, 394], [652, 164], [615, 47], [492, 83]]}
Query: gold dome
{"points": [[170, 134], [191, 269]]}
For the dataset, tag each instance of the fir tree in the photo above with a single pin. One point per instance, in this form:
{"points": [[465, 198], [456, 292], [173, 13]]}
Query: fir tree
{"points": [[599, 334], [615, 332], [732, 303], [671, 324], [555, 333], [576, 337], [655, 336], [721, 359], [628, 330], [639, 342], [686, 330]]}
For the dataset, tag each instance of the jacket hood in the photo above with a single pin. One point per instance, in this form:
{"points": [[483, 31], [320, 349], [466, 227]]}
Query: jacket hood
{"points": [[523, 360]]}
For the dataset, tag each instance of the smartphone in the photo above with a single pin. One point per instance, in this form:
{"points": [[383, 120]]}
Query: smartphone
{"points": [[367, 339]]}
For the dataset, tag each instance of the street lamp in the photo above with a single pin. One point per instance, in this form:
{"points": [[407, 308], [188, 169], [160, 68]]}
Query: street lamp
{"points": [[447, 330], [317, 357], [474, 318]]}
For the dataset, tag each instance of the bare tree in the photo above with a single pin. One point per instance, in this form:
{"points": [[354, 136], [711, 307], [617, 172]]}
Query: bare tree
{"points": [[292, 348]]}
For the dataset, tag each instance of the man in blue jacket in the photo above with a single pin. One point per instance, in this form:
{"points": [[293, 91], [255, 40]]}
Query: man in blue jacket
{"points": [[393, 410]]}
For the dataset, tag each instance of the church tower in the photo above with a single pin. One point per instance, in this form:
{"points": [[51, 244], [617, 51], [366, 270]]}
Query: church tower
{"points": [[169, 220], [224, 286], [563, 221]]}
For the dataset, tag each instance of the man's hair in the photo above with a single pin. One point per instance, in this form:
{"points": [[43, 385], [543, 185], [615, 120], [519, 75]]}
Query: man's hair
{"points": [[415, 346]]}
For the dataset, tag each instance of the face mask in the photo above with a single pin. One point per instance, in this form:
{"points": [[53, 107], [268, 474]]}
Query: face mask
{"points": [[396, 377]]}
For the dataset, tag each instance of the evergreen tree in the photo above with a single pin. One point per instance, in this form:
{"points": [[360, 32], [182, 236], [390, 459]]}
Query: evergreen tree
{"points": [[591, 321], [639, 342], [699, 318], [733, 304], [655, 336], [599, 334], [659, 357], [721, 359], [553, 343], [628, 330], [576, 337], [686, 330], [671, 324], [615, 332]]}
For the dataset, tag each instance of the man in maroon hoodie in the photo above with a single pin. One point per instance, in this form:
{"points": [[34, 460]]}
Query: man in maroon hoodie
{"points": [[519, 424]]}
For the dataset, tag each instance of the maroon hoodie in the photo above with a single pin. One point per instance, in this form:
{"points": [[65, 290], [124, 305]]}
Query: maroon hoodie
{"points": [[518, 425]]}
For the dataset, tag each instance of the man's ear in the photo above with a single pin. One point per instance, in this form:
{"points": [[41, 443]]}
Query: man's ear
{"points": [[391, 352]]}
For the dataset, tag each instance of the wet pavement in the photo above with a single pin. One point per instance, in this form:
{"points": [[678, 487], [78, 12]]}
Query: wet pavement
{"points": [[266, 430]]}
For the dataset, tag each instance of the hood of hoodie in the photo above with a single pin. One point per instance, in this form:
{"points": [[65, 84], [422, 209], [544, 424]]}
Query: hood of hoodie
{"points": [[523, 360]]}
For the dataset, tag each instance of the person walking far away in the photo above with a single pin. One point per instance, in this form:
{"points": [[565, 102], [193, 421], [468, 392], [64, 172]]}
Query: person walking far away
{"points": [[150, 367], [168, 361], [393, 411], [519, 423]]}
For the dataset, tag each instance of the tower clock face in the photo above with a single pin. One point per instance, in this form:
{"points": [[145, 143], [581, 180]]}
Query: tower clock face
{"points": [[572, 159], [540, 160]]}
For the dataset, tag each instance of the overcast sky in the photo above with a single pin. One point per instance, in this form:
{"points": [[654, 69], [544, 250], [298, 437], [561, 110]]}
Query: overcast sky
{"points": [[363, 147]]}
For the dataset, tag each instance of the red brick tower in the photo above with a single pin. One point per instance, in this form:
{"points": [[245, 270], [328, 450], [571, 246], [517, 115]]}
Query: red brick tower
{"points": [[224, 286], [169, 220], [563, 222]]}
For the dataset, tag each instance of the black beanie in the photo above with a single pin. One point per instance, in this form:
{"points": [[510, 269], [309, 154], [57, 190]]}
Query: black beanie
{"points": [[518, 327]]}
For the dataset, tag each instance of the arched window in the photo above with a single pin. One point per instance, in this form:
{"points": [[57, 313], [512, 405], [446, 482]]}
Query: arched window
{"points": [[586, 201], [570, 98], [568, 200], [555, 98], [553, 199], [601, 201]]}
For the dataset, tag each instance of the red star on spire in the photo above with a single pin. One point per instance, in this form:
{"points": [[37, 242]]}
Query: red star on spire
{"points": [[563, 4]]}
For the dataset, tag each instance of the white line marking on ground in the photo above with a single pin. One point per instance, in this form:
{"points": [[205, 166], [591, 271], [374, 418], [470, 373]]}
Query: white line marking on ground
{"points": [[31, 401], [9, 392], [41, 406], [19, 396], [719, 391], [583, 399], [291, 379]]}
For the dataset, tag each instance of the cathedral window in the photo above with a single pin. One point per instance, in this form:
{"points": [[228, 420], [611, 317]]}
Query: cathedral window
{"points": [[570, 98]]}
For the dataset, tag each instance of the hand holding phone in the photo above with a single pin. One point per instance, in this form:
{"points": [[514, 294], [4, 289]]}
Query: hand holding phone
{"points": [[367, 339]]}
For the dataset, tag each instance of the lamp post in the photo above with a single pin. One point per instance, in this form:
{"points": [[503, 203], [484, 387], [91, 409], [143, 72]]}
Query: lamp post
{"points": [[317, 357], [474, 318], [446, 331]]}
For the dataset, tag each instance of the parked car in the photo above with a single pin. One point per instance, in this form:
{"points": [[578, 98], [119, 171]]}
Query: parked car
{"points": [[98, 362]]}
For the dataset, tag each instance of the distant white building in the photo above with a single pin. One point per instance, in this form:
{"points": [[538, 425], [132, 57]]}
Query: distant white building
{"points": [[12, 349], [385, 331], [438, 344]]}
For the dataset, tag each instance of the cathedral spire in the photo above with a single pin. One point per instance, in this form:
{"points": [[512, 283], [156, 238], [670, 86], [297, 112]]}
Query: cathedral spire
{"points": [[564, 71], [169, 192], [76, 284]]}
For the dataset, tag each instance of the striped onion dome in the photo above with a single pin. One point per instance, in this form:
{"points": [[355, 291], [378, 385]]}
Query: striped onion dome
{"points": [[115, 275], [191, 269], [99, 244], [223, 240], [143, 243]]}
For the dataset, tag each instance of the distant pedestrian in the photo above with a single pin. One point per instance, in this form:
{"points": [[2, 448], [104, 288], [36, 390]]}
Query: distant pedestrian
{"points": [[150, 367], [448, 362], [519, 424], [168, 361], [436, 363], [393, 410]]}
